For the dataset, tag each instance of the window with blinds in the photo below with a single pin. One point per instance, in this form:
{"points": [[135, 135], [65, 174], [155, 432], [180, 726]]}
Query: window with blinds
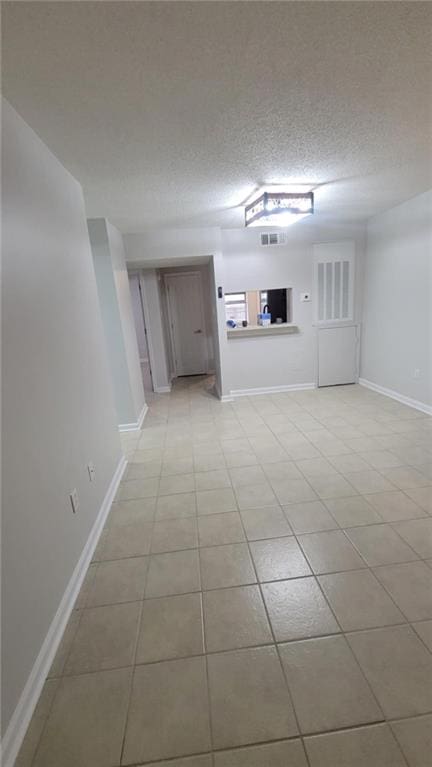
{"points": [[334, 281]]}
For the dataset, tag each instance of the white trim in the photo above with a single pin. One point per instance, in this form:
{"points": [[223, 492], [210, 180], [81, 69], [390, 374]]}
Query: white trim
{"points": [[20, 720], [147, 326], [271, 390], [162, 389], [330, 324], [222, 397], [137, 425], [415, 403]]}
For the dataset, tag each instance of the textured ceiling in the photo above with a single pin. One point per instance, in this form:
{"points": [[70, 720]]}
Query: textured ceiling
{"points": [[171, 113]]}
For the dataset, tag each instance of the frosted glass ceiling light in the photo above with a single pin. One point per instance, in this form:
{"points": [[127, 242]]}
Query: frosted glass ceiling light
{"points": [[278, 208]]}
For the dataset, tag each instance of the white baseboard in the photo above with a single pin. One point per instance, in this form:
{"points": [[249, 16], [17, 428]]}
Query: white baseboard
{"points": [[415, 403], [162, 389], [219, 395], [272, 389], [21, 717], [137, 425], [226, 398]]}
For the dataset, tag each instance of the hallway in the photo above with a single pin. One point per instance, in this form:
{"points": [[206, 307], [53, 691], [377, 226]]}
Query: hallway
{"points": [[260, 595]]}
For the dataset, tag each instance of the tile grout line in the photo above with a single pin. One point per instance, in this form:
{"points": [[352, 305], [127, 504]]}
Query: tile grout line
{"points": [[277, 650], [137, 635], [339, 633], [58, 680], [204, 640], [44, 726]]}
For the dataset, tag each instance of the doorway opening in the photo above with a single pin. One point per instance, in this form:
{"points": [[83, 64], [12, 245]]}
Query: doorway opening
{"points": [[176, 316]]}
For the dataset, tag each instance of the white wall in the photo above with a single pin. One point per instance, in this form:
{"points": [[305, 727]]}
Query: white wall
{"points": [[155, 333], [219, 334], [58, 408], [272, 361], [134, 286], [121, 280], [173, 244], [286, 360], [209, 302], [117, 318], [397, 314], [168, 349], [110, 314], [239, 262]]}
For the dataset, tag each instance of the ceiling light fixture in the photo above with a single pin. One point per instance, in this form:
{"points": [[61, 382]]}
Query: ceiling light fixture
{"points": [[275, 207]]}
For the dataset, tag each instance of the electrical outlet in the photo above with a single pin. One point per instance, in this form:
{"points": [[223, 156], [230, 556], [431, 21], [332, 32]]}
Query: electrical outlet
{"points": [[305, 296], [74, 500], [91, 471], [417, 372]]}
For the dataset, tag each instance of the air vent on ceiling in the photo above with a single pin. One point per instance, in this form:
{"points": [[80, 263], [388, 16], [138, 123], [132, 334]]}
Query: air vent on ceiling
{"points": [[273, 238]]}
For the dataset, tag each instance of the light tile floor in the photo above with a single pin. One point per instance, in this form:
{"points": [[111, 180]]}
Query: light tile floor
{"points": [[261, 595]]}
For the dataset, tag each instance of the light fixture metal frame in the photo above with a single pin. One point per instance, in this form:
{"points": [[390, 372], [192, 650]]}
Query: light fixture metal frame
{"points": [[266, 196]]}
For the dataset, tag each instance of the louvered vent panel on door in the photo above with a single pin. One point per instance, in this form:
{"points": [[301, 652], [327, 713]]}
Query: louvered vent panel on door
{"points": [[334, 281]]}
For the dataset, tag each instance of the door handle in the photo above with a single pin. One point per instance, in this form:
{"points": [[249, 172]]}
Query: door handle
{"points": [[198, 331]]}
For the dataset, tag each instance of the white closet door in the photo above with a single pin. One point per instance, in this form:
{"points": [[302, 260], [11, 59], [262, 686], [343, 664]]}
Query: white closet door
{"points": [[337, 355], [187, 324]]}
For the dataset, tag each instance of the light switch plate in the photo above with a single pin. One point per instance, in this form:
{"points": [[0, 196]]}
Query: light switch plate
{"points": [[91, 471]]}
